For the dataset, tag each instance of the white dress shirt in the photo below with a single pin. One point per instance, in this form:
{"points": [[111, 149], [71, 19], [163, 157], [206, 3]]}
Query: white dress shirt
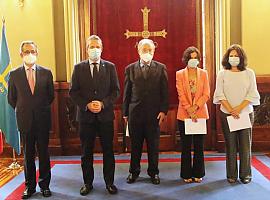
{"points": [[92, 66], [142, 64]]}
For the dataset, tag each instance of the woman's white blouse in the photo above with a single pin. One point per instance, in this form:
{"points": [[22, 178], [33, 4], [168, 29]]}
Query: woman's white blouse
{"points": [[235, 87]]}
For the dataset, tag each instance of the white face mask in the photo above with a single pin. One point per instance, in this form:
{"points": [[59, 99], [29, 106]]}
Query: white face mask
{"points": [[94, 54], [193, 63], [30, 59], [146, 57], [234, 61]]}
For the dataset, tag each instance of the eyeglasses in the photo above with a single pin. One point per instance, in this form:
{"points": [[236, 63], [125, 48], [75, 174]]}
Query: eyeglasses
{"points": [[147, 51], [28, 52]]}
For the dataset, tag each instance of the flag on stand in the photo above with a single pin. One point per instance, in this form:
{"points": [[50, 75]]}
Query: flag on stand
{"points": [[7, 114]]}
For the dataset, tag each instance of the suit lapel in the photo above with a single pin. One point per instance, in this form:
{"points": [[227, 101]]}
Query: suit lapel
{"points": [[150, 73], [198, 85], [25, 80], [138, 70], [102, 70], [86, 72], [187, 84], [38, 79], [152, 70]]}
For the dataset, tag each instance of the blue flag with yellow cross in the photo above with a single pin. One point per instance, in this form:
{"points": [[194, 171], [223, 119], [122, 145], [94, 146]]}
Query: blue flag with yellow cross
{"points": [[7, 114]]}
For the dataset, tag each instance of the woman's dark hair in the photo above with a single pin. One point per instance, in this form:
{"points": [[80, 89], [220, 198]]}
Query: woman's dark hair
{"points": [[187, 52], [242, 55]]}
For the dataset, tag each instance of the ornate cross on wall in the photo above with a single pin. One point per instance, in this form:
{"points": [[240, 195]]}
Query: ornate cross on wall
{"points": [[145, 33]]}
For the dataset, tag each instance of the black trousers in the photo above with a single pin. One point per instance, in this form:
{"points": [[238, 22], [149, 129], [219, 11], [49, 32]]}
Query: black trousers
{"points": [[88, 132], [36, 139], [196, 168], [140, 130]]}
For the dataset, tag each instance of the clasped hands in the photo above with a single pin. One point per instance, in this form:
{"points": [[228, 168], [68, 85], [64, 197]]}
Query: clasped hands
{"points": [[236, 111], [192, 112], [95, 106]]}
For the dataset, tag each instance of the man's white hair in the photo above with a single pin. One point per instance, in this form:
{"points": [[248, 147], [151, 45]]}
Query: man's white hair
{"points": [[146, 41]]}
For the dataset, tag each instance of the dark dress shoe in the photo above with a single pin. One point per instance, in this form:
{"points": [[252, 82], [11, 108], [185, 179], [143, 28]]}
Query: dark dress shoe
{"points": [[155, 179], [132, 178], [245, 180], [112, 189], [46, 192], [231, 180], [28, 193], [85, 189]]}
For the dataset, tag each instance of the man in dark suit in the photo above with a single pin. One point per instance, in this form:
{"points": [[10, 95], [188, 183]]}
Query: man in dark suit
{"points": [[30, 93], [94, 89], [145, 104]]}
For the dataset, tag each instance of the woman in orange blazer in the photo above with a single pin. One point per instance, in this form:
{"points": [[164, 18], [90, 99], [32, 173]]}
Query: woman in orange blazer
{"points": [[193, 93]]}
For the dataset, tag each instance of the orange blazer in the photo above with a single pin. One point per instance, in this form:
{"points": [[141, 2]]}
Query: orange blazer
{"points": [[184, 95]]}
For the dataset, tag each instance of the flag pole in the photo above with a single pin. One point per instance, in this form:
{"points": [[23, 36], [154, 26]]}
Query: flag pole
{"points": [[14, 165]]}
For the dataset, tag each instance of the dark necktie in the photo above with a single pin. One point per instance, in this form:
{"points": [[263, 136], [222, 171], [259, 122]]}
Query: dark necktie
{"points": [[95, 75], [145, 70]]}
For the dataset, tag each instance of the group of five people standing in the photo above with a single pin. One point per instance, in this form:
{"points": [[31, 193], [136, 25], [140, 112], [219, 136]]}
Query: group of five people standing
{"points": [[95, 88]]}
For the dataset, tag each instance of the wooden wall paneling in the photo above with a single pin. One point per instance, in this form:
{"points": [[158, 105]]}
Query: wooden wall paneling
{"points": [[261, 128], [168, 141], [55, 146], [209, 6], [70, 140], [168, 131], [118, 143], [68, 125]]}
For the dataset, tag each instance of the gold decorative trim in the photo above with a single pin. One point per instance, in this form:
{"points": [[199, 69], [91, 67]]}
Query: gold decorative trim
{"points": [[145, 33]]}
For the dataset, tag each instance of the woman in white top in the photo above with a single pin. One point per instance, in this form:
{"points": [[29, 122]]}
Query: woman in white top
{"points": [[236, 91]]}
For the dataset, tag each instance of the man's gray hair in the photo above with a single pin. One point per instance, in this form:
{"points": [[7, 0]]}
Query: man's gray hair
{"points": [[146, 41], [93, 37], [27, 42]]}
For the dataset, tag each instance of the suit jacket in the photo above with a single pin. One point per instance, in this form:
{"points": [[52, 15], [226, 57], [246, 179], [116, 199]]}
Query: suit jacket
{"points": [[30, 106], [82, 90], [184, 94], [145, 97]]}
